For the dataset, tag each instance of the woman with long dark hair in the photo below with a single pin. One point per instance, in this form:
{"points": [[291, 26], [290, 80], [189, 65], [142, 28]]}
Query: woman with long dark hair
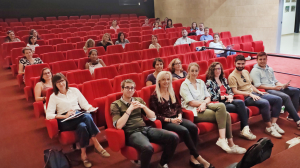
{"points": [[121, 39], [32, 43]]}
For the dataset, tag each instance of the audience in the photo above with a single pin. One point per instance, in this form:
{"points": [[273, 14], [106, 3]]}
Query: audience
{"points": [[11, 37], [175, 68], [158, 65], [66, 101], [114, 25], [218, 44], [95, 62], [206, 36], [89, 44], [32, 43], [41, 87], [196, 98], [35, 34], [158, 21], [194, 27], [201, 29], [154, 43], [27, 60], [127, 115], [169, 24], [168, 111], [240, 83], [106, 41], [184, 39], [146, 24], [156, 26], [263, 78], [121, 39], [220, 91], [165, 21]]}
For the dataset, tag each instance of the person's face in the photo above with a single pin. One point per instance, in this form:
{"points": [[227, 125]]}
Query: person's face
{"points": [[184, 33], [154, 39], [28, 54], [156, 24], [91, 44], [159, 66], [94, 56], [34, 33], [164, 82], [216, 38], [217, 71], [106, 38], [206, 31], [114, 23], [11, 35], [128, 89], [47, 74], [146, 21], [240, 65], [194, 71], [122, 36], [169, 22], [177, 65], [201, 26], [194, 25], [33, 40], [166, 19], [61, 85], [262, 61]]}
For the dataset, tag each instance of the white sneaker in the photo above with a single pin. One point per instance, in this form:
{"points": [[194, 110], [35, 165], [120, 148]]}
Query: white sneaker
{"points": [[136, 162], [223, 144], [272, 131], [246, 133], [237, 150], [278, 129], [248, 58]]}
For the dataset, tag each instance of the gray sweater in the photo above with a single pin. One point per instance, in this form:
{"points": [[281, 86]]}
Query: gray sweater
{"points": [[263, 76]]}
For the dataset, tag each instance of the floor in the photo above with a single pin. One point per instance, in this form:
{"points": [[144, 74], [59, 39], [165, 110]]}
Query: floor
{"points": [[290, 44]]}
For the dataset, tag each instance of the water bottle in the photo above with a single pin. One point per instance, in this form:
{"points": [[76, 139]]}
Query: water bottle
{"points": [[282, 109]]}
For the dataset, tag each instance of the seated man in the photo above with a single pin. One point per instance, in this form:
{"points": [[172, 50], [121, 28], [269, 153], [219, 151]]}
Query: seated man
{"points": [[184, 39], [240, 83], [127, 115], [263, 78], [201, 29], [206, 35]]}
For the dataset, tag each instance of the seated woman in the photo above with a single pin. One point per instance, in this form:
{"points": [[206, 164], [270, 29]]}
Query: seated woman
{"points": [[95, 62], [122, 40], [154, 43], [158, 21], [196, 98], [165, 21], [194, 27], [114, 25], [89, 44], [35, 34], [27, 60], [156, 26], [168, 111], [11, 37], [175, 68], [220, 91], [66, 101], [158, 64], [106, 41], [41, 87], [218, 44], [146, 24], [169, 24], [32, 43]]}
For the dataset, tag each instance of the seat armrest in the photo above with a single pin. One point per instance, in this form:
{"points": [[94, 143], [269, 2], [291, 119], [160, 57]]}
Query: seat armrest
{"points": [[188, 114], [38, 107], [154, 124], [52, 127], [115, 138], [241, 97]]}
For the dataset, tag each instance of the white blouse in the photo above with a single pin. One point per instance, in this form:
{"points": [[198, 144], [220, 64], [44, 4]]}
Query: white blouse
{"points": [[63, 103], [189, 93], [32, 47]]}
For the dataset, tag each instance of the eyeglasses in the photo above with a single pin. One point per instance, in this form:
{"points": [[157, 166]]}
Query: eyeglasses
{"points": [[219, 69], [178, 63], [60, 81], [243, 78], [129, 88], [47, 73]]}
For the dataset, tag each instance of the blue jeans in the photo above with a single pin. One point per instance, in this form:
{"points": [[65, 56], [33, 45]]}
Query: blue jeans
{"points": [[238, 106], [225, 54], [264, 104], [290, 98], [84, 126]]}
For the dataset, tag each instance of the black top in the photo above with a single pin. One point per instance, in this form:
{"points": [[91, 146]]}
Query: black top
{"points": [[107, 44]]}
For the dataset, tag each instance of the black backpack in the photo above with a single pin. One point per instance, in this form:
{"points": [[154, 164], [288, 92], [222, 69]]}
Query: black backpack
{"points": [[55, 159], [257, 153]]}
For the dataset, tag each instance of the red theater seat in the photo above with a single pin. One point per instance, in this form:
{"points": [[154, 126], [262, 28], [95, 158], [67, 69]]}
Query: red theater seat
{"points": [[100, 49], [225, 34], [131, 56], [114, 49], [44, 49], [132, 46], [63, 66], [75, 54], [182, 49], [147, 64], [72, 29], [134, 76], [50, 26], [236, 41], [65, 35], [73, 39], [79, 77], [23, 20], [57, 30], [149, 53], [223, 61], [56, 41], [51, 18], [166, 51], [126, 68], [139, 29], [203, 67], [190, 57], [247, 47], [52, 57], [57, 22], [62, 17], [197, 44], [37, 19], [258, 46], [134, 39], [164, 42], [64, 47], [48, 36], [247, 38], [108, 72], [168, 59], [111, 59]]}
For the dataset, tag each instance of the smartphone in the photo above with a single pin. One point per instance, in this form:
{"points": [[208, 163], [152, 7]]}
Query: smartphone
{"points": [[288, 82]]}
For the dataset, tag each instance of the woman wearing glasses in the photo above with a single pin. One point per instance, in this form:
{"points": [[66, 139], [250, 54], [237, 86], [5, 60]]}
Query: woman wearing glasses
{"points": [[220, 91], [175, 68], [66, 101], [41, 87]]}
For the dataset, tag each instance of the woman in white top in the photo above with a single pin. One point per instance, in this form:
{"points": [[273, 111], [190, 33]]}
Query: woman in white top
{"points": [[156, 26], [218, 44], [89, 44], [196, 98], [114, 25], [65, 102], [32, 43], [154, 43], [95, 62]]}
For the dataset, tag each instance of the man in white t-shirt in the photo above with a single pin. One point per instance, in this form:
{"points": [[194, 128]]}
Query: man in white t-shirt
{"points": [[201, 29], [184, 39]]}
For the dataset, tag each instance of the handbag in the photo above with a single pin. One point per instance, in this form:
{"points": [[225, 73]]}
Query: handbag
{"points": [[56, 159]]}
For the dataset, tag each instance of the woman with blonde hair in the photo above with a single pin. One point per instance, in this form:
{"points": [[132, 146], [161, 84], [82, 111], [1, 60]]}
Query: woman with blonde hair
{"points": [[89, 44], [114, 25], [175, 68], [106, 41], [196, 98], [168, 111]]}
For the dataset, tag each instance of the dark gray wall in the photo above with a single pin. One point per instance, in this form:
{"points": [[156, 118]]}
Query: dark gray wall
{"points": [[44, 8]]}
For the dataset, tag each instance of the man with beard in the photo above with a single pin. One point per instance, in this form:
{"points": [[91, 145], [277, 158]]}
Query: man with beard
{"points": [[184, 39], [240, 83]]}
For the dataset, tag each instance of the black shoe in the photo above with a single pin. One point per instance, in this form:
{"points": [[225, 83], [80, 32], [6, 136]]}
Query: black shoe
{"points": [[210, 166], [196, 165]]}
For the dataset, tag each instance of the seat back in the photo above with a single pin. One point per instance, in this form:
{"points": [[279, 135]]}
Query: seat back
{"points": [[145, 44], [231, 60], [247, 38], [62, 17], [223, 61], [158, 31], [43, 49], [15, 53], [79, 76], [114, 49], [203, 67], [72, 29], [73, 39], [147, 37], [33, 71], [108, 72], [167, 51], [206, 55], [64, 47], [258, 46], [61, 66], [149, 53], [146, 64], [37, 19], [236, 40], [127, 68], [56, 41], [182, 49], [111, 59], [73, 17], [48, 36], [132, 46], [196, 44], [82, 61], [146, 92], [226, 41], [51, 18], [52, 57], [7, 47], [190, 57], [75, 54], [134, 38], [168, 59], [164, 42], [176, 86], [100, 49], [225, 34], [134, 76], [131, 56]]}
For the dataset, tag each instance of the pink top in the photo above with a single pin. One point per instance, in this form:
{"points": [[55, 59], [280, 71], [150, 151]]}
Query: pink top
{"points": [[115, 28]]}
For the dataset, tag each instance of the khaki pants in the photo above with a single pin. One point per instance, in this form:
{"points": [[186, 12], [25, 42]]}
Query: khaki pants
{"points": [[216, 113]]}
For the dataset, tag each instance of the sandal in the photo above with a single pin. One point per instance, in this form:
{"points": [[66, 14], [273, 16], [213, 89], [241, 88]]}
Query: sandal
{"points": [[87, 163], [103, 153]]}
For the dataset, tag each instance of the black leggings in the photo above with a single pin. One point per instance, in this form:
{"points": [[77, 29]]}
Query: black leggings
{"points": [[238, 106]]}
